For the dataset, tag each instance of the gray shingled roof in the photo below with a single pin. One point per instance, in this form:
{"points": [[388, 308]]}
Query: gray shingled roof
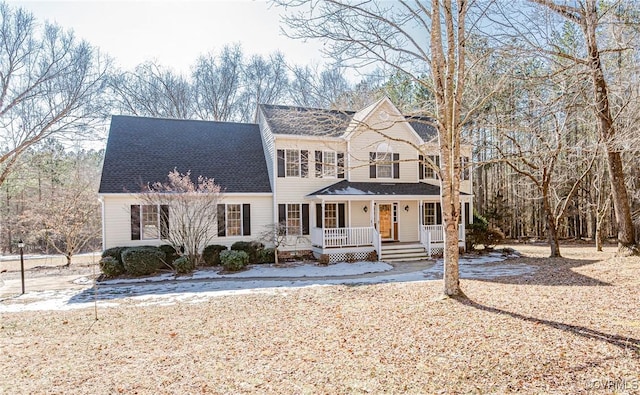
{"points": [[306, 121], [144, 150], [323, 122], [347, 188]]}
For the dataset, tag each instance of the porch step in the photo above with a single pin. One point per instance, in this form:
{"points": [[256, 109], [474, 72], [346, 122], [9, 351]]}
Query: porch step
{"points": [[403, 252]]}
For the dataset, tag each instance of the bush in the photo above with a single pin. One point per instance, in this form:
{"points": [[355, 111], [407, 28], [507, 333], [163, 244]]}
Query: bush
{"points": [[111, 266], [480, 234], [324, 259], [170, 254], [183, 265], [211, 254], [252, 248], [114, 252], [234, 260], [140, 261], [268, 255], [372, 256]]}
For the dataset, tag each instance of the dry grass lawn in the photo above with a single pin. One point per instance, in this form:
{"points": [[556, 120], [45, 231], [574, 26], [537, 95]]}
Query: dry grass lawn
{"points": [[572, 327]]}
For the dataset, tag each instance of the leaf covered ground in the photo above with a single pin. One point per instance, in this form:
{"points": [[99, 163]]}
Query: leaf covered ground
{"points": [[572, 326]]}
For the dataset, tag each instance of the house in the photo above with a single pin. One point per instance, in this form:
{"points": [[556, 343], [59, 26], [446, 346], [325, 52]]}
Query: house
{"points": [[342, 183]]}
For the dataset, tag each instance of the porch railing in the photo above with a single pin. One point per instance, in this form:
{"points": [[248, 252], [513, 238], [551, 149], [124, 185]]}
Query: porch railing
{"points": [[436, 233], [343, 237]]}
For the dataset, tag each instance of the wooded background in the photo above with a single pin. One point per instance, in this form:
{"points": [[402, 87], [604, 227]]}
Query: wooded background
{"points": [[540, 157]]}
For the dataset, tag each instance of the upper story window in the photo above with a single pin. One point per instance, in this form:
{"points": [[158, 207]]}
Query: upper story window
{"points": [[149, 221], [329, 164], [384, 163], [425, 170], [465, 169], [293, 163]]}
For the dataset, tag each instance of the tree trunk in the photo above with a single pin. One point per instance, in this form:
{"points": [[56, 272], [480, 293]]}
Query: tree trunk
{"points": [[598, 238], [68, 256], [552, 234], [626, 232]]}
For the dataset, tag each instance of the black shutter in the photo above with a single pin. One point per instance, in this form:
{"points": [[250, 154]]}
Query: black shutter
{"points": [[340, 164], [304, 163], [396, 165], [467, 214], [246, 219], [305, 218], [319, 222], [341, 215], [438, 214], [372, 165], [318, 164], [135, 222], [420, 167], [164, 221], [282, 214], [222, 221], [281, 172]]}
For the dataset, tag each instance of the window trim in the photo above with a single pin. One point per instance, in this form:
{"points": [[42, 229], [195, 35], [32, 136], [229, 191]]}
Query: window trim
{"points": [[137, 221], [287, 163]]}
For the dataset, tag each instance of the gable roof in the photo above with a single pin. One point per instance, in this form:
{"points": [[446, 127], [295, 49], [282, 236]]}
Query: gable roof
{"points": [[292, 120], [144, 150], [304, 121]]}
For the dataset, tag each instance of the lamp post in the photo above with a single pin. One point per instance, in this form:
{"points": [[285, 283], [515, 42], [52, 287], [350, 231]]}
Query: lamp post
{"points": [[21, 247]]}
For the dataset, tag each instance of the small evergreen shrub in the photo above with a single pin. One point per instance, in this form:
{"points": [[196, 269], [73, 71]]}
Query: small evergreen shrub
{"points": [[252, 248], [140, 261], [115, 252], [183, 265], [234, 260], [111, 267], [372, 256], [480, 234], [350, 257], [170, 254], [267, 255], [211, 254]]}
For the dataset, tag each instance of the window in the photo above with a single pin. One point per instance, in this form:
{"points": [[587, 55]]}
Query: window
{"points": [[384, 165], [429, 172], [149, 222], [293, 163], [465, 171], [330, 215], [295, 218], [432, 214], [329, 164], [234, 220]]}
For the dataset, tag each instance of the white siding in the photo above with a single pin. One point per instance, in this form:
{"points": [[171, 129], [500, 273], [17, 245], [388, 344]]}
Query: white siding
{"points": [[268, 145], [117, 220]]}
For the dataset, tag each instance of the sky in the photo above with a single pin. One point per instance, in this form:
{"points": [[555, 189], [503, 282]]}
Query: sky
{"points": [[174, 32]]}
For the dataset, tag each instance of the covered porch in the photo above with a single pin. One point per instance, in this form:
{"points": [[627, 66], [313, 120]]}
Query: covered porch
{"points": [[353, 220]]}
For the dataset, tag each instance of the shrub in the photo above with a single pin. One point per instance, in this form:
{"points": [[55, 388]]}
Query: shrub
{"points": [[480, 234], [350, 257], [111, 266], [268, 255], [115, 252], [252, 248], [211, 254], [170, 254], [139, 261], [234, 260], [183, 265], [372, 256]]}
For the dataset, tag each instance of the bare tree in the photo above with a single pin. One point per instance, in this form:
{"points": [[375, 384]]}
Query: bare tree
{"points": [[590, 16], [265, 81], [152, 90], [217, 82], [311, 87], [50, 85], [424, 41], [187, 223]]}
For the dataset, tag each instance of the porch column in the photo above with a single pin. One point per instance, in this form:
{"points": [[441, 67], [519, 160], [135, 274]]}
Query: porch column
{"points": [[421, 212], [372, 214], [349, 208], [322, 227]]}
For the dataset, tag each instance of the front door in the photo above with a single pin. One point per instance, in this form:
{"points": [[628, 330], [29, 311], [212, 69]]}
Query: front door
{"points": [[386, 221]]}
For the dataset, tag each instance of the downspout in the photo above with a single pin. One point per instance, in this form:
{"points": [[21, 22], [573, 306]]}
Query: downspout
{"points": [[104, 228]]}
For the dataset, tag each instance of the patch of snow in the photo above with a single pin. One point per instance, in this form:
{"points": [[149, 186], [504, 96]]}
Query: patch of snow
{"points": [[483, 267], [351, 191]]}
